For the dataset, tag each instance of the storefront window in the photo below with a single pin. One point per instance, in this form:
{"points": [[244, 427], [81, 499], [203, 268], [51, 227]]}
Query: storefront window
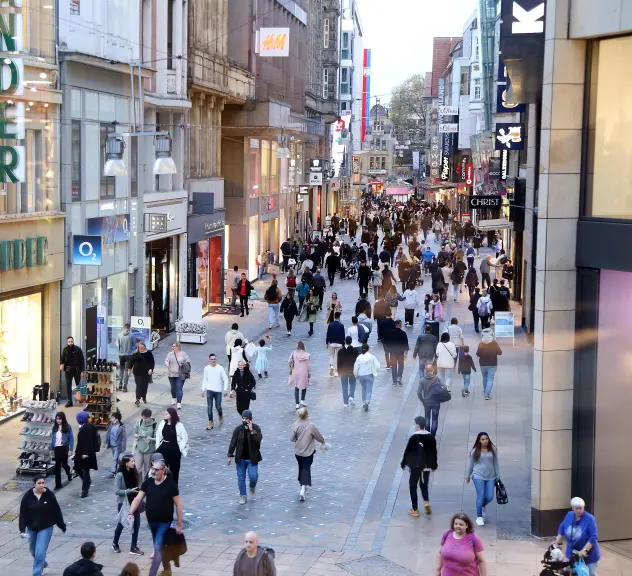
{"points": [[76, 316], [116, 303], [265, 168], [254, 164], [20, 347], [608, 177], [202, 272], [274, 170], [215, 266]]}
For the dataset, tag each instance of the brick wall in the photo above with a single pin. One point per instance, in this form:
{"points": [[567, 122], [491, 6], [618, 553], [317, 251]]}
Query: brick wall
{"points": [[441, 48]]}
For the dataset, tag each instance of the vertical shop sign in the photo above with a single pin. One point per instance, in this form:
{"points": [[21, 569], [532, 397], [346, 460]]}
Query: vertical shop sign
{"points": [[435, 157]]}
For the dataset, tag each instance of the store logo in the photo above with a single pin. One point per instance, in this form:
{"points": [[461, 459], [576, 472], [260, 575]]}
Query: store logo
{"points": [[469, 174], [528, 21], [509, 137], [445, 170], [484, 202], [504, 162], [19, 254]]}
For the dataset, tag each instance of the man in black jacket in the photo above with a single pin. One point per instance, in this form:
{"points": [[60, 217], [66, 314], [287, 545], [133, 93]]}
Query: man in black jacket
{"points": [[286, 252], [346, 359], [364, 275], [319, 287], [73, 365], [244, 288], [245, 447], [388, 326], [363, 306], [333, 265], [86, 566], [379, 313], [425, 348], [397, 343], [420, 456]]}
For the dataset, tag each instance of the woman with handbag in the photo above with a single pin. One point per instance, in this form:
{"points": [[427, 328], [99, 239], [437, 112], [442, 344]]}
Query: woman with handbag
{"points": [[243, 386], [446, 358], [334, 305], [178, 370], [461, 552], [304, 436], [483, 468], [300, 373], [172, 441], [126, 485]]}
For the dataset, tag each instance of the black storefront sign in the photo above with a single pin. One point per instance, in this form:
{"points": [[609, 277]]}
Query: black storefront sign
{"points": [[463, 168], [522, 48], [504, 165], [480, 202], [509, 136], [494, 169], [448, 148]]}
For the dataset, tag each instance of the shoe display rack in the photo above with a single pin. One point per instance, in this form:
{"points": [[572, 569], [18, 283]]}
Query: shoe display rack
{"points": [[35, 437], [101, 391]]}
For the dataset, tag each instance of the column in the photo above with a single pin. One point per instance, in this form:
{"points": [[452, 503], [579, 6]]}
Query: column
{"points": [[554, 340]]}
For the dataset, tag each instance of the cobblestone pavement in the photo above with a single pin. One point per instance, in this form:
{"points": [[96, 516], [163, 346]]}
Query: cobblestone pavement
{"points": [[354, 520]]}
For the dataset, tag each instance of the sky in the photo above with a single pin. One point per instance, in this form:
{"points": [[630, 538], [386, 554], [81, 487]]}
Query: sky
{"points": [[400, 33]]}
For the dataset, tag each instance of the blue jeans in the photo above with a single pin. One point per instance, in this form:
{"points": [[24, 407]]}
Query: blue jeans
{"points": [[432, 417], [367, 387], [210, 397], [348, 387], [253, 475], [273, 314], [38, 545], [488, 373], [466, 382], [262, 270], [158, 531], [484, 494], [116, 452], [592, 568], [176, 387]]}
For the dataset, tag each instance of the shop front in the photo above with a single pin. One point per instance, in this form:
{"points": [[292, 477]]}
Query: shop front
{"points": [[31, 268], [205, 257], [166, 259]]}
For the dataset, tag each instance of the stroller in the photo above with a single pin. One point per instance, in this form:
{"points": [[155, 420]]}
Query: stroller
{"points": [[350, 271], [555, 563]]}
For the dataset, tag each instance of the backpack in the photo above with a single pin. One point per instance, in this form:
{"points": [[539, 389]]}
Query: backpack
{"points": [[271, 293], [482, 307], [362, 335]]}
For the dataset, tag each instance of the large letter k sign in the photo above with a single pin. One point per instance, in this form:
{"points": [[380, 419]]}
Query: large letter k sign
{"points": [[528, 22]]}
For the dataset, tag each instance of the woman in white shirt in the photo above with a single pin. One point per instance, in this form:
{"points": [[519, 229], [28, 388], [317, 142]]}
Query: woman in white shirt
{"points": [[446, 358]]}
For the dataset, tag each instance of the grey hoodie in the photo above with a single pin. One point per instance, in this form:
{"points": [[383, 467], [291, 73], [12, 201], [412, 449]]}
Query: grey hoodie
{"points": [[264, 566], [125, 343]]}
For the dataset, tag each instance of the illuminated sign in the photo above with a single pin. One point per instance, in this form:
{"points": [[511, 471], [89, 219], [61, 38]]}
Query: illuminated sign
{"points": [[274, 42], [448, 128], [448, 110], [87, 250], [509, 136]]}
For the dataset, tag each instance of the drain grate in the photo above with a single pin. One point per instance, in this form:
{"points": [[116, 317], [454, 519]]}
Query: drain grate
{"points": [[374, 566]]}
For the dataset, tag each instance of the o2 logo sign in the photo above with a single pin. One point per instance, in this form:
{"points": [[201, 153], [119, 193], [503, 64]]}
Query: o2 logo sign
{"points": [[87, 250]]}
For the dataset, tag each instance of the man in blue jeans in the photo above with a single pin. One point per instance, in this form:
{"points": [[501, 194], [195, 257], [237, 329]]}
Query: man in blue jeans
{"points": [[163, 496], [245, 447], [214, 383]]}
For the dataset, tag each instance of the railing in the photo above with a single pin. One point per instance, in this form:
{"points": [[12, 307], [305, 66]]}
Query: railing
{"points": [[299, 123]]}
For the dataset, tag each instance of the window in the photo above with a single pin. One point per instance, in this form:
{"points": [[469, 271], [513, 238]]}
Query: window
{"points": [[346, 53], [343, 106], [476, 50], [75, 155], [265, 168], [325, 83], [383, 162], [107, 182], [607, 174], [133, 165], [371, 163], [326, 34], [477, 88], [344, 81], [465, 83], [384, 145], [170, 4]]}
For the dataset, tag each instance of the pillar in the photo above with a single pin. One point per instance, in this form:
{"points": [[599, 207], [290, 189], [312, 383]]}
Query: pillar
{"points": [[555, 282]]}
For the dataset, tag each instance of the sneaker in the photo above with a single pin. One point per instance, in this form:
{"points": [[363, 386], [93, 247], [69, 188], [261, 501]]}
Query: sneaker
{"points": [[331, 370], [243, 500], [260, 376], [366, 406], [351, 401], [301, 494], [413, 513], [210, 425], [345, 405], [136, 551], [137, 403], [265, 374], [388, 367], [427, 508], [480, 521], [173, 401], [488, 397], [253, 490], [303, 403], [399, 381], [298, 406], [116, 548], [179, 406], [289, 333]]}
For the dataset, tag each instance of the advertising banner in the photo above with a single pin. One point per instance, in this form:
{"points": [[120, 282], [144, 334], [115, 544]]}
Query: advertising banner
{"points": [[112, 228], [435, 157], [140, 327], [504, 325]]}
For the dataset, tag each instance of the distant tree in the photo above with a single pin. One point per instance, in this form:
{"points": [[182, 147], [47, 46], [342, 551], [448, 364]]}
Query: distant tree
{"points": [[407, 110]]}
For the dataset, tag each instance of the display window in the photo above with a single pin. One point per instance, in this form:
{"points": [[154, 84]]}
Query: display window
{"points": [[20, 350]]}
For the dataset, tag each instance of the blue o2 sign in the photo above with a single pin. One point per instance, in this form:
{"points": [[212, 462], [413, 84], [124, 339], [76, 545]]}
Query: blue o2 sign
{"points": [[87, 250]]}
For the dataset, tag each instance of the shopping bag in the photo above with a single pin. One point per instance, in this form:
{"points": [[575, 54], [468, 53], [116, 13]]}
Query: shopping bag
{"points": [[122, 517], [250, 350], [254, 295], [501, 492], [580, 568]]}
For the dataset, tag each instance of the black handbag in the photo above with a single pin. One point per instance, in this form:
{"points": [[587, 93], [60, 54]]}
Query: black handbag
{"points": [[501, 492], [253, 395]]}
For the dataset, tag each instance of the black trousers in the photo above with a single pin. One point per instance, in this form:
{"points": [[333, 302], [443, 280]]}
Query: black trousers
{"points": [[173, 457], [71, 374], [288, 324], [485, 322], [303, 393], [286, 263], [142, 383], [243, 403], [84, 473], [409, 315], [331, 275], [485, 278], [305, 469], [476, 320], [364, 287], [243, 302], [421, 477], [61, 461]]}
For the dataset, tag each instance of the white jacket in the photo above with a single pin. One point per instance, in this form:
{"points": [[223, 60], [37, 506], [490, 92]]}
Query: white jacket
{"points": [[410, 299], [181, 435], [215, 379], [353, 332], [446, 355], [230, 338], [364, 365]]}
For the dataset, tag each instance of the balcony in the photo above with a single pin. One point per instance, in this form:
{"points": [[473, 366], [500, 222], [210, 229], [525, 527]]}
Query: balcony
{"points": [[299, 123]]}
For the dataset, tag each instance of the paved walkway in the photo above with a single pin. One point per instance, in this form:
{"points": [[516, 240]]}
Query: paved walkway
{"points": [[354, 521]]}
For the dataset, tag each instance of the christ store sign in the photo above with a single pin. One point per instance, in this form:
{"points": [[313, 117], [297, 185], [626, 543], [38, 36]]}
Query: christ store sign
{"points": [[475, 202]]}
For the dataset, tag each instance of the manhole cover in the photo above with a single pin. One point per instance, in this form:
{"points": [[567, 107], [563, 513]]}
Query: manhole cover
{"points": [[375, 566]]}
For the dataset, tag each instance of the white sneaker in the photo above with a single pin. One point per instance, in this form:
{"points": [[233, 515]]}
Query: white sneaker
{"points": [[301, 494], [480, 521], [345, 405], [173, 401], [298, 406], [179, 406], [351, 401], [303, 403]]}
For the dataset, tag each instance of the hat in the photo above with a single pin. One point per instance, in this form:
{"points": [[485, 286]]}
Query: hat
{"points": [[157, 457], [247, 414]]}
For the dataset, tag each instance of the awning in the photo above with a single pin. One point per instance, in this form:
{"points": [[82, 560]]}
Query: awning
{"points": [[494, 224], [397, 191]]}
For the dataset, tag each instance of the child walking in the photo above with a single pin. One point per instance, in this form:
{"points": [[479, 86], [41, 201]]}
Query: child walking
{"points": [[466, 365], [261, 365]]}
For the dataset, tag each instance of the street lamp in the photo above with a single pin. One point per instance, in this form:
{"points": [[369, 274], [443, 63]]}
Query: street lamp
{"points": [[114, 165], [164, 163], [115, 147]]}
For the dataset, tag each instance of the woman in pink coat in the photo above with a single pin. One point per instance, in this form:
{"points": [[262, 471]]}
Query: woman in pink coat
{"points": [[300, 373]]}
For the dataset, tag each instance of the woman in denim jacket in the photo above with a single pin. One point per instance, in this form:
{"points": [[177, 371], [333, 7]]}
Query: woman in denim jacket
{"points": [[61, 444]]}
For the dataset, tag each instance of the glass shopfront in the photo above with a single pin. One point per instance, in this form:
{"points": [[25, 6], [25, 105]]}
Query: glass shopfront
{"points": [[163, 273], [20, 349], [208, 272]]}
